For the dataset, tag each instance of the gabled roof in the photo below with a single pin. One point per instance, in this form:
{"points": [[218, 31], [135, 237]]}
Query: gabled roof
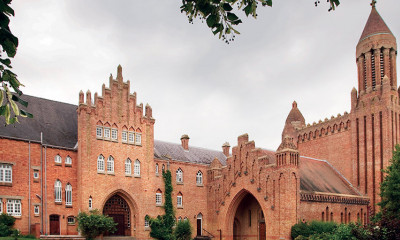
{"points": [[375, 25], [166, 150], [56, 120]]}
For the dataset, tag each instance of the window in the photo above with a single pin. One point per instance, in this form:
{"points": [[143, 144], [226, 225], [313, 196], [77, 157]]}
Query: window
{"points": [[158, 198], [1, 205], [124, 136], [114, 134], [185, 219], [107, 133], [131, 137], [100, 163], [99, 132], [138, 139], [90, 203], [179, 219], [199, 178], [128, 167], [36, 209], [57, 159], [136, 170], [5, 173], [179, 200], [57, 191], [71, 220], [146, 223], [14, 207], [110, 164], [68, 160], [36, 174], [156, 168], [179, 175], [68, 195], [163, 168]]}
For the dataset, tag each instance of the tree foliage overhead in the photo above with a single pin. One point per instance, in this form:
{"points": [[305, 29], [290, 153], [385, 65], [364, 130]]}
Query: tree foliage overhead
{"points": [[162, 226], [220, 17], [8, 80]]}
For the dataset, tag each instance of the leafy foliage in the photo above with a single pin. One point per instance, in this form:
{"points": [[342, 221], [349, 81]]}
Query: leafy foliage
{"points": [[162, 226], [315, 227], [6, 224], [94, 224], [183, 230], [220, 17], [8, 79]]}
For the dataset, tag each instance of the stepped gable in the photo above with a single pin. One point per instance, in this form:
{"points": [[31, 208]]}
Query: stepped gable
{"points": [[56, 120], [173, 151], [375, 25], [319, 176]]}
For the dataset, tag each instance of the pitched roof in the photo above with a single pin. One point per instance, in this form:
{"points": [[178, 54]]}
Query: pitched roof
{"points": [[166, 150], [375, 25], [56, 120], [295, 115], [319, 176]]}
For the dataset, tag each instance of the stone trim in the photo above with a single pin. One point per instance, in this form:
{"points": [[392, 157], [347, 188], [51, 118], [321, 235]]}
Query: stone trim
{"points": [[7, 162], [11, 197], [333, 198]]}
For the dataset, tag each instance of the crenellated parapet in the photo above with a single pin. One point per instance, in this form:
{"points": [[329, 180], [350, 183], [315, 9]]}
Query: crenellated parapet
{"points": [[333, 198], [324, 128]]}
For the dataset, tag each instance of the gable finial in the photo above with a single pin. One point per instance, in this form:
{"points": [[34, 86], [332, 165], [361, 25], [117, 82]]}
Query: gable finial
{"points": [[373, 3]]}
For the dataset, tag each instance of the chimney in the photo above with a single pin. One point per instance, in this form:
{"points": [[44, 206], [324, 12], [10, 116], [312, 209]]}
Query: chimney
{"points": [[225, 149], [185, 141]]}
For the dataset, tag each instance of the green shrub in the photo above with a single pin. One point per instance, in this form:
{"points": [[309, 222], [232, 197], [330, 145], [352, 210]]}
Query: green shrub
{"points": [[94, 224], [322, 227], [300, 229], [316, 228], [6, 224], [183, 230]]}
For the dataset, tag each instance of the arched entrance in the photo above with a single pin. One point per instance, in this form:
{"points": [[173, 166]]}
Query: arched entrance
{"points": [[117, 208], [248, 222]]}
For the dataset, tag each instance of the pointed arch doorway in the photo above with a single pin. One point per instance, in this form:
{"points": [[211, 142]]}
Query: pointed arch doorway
{"points": [[117, 208]]}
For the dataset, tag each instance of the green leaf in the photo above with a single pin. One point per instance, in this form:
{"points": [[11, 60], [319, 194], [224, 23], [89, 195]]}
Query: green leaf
{"points": [[247, 9], [227, 7], [232, 17], [6, 62], [9, 47], [7, 113], [211, 20], [1, 97], [269, 3], [19, 100], [25, 114], [14, 107]]}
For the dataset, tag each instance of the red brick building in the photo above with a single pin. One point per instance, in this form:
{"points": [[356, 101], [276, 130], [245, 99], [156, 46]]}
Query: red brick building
{"points": [[102, 154]]}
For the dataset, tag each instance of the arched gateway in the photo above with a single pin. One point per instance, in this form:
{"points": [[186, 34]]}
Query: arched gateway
{"points": [[117, 208]]}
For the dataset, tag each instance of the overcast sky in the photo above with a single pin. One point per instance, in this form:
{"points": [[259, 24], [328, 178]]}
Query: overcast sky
{"points": [[195, 83]]}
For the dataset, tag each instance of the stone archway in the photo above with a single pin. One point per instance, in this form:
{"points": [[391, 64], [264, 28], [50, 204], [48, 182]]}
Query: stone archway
{"points": [[118, 208]]}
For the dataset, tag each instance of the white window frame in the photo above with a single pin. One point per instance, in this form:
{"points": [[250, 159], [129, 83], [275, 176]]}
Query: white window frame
{"points": [[156, 168], [5, 173], [179, 219], [136, 168], [128, 167], [138, 139], [36, 174], [199, 178], [114, 134], [131, 137], [36, 210], [110, 164], [68, 194], [73, 220], [107, 133], [179, 201], [68, 160], [57, 159], [99, 132], [58, 191], [158, 199], [179, 175], [90, 203], [14, 207], [146, 223], [100, 163], [124, 136]]}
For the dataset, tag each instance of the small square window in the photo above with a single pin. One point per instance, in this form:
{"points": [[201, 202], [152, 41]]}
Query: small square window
{"points": [[36, 209], [114, 134], [124, 136], [99, 132], [36, 174], [71, 220], [107, 133]]}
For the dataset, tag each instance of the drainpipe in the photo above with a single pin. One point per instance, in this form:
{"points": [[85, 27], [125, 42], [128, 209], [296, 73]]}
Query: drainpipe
{"points": [[41, 183], [45, 188], [29, 188]]}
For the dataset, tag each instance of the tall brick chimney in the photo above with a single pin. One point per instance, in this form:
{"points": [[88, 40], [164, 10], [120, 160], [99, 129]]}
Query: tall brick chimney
{"points": [[225, 149], [185, 141]]}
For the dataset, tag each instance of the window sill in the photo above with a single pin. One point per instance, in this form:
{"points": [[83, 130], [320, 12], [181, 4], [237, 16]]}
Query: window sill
{"points": [[159, 205], [58, 203], [138, 144], [58, 164], [71, 224], [68, 165], [68, 206], [35, 180], [124, 142], [157, 175], [99, 138], [111, 174], [17, 217], [114, 140], [179, 183], [199, 185], [136, 176], [101, 172], [147, 228], [36, 215], [179, 207], [7, 184], [128, 175]]}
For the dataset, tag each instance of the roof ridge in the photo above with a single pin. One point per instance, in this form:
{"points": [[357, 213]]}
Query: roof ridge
{"points": [[56, 101], [189, 146]]}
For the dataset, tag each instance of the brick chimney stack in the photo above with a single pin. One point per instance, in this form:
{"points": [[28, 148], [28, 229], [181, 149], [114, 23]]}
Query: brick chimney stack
{"points": [[185, 141], [225, 149]]}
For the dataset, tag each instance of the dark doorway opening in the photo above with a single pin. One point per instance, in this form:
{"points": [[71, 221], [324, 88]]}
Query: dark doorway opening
{"points": [[117, 208], [54, 225]]}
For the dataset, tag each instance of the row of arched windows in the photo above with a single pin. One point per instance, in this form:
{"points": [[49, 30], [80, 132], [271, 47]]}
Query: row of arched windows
{"points": [[58, 193], [179, 199], [110, 165], [179, 175], [58, 160]]}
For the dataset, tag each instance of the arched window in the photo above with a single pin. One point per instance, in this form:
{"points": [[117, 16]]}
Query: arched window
{"points": [[136, 168], [156, 168], [138, 137], [163, 168], [68, 195], [57, 159], [128, 167], [185, 219], [158, 197], [199, 178], [179, 219], [90, 203], [68, 160], [57, 191], [110, 164], [179, 200], [179, 175], [100, 163], [146, 223]]}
